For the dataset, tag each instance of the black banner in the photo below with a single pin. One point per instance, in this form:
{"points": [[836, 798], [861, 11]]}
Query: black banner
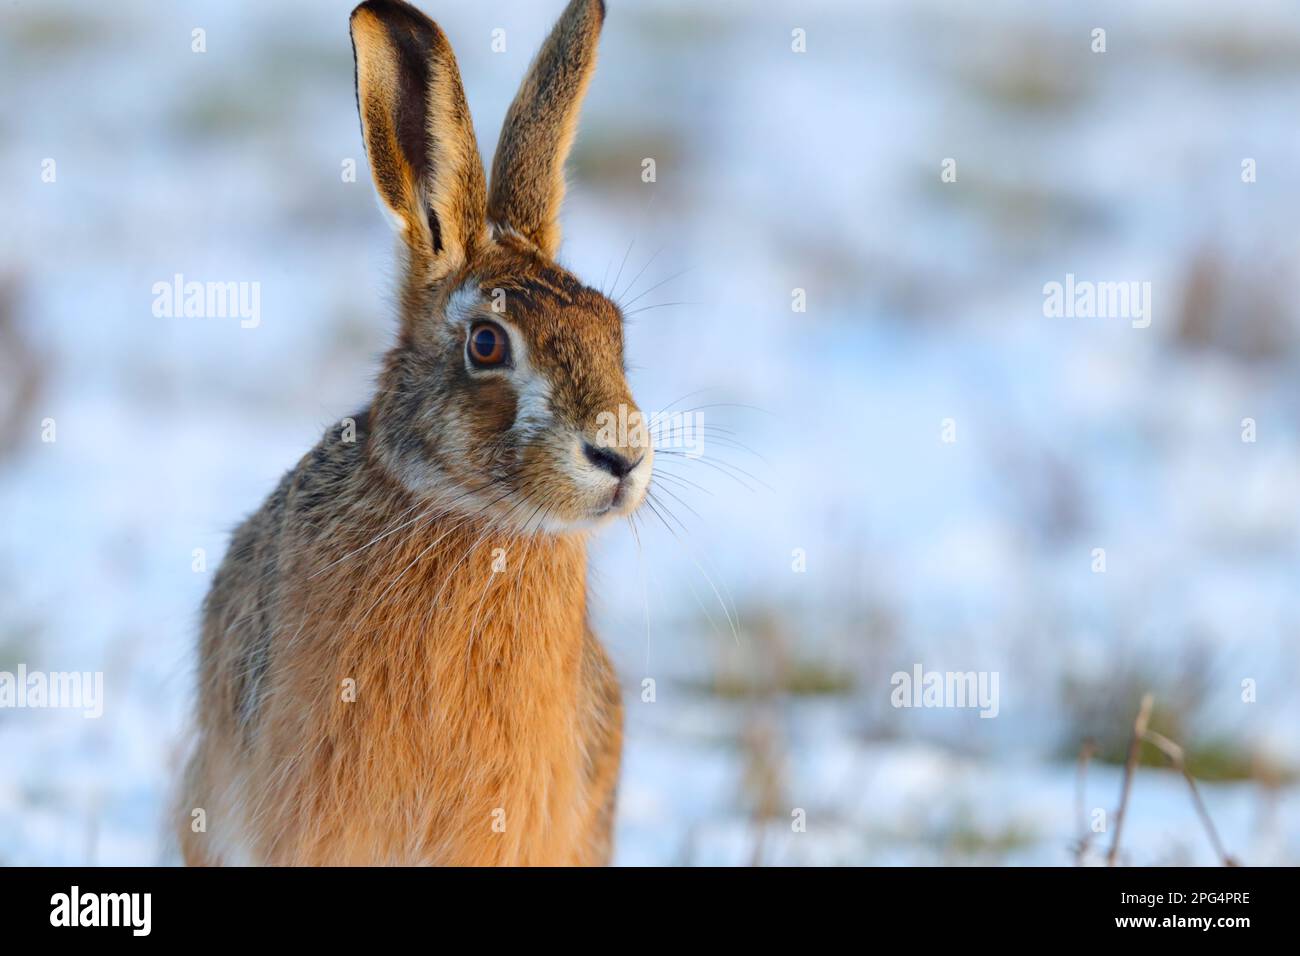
{"points": [[238, 905]]}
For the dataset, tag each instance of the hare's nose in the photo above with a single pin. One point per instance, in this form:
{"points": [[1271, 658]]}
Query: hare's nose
{"points": [[610, 461]]}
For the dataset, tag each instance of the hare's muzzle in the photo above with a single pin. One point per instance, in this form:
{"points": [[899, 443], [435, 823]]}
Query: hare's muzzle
{"points": [[616, 460]]}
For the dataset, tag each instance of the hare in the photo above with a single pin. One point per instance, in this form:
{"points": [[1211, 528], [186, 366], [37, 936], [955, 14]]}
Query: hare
{"points": [[396, 665]]}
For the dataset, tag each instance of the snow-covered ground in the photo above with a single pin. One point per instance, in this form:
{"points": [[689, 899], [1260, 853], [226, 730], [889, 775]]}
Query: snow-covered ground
{"points": [[776, 171]]}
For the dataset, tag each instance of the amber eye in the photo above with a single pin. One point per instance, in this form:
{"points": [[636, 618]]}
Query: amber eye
{"points": [[488, 345]]}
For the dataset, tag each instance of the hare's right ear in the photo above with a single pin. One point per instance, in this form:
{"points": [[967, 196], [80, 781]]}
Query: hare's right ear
{"points": [[418, 134], [528, 172]]}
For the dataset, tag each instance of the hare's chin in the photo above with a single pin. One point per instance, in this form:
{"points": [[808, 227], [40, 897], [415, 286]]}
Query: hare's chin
{"points": [[626, 499], [600, 515]]}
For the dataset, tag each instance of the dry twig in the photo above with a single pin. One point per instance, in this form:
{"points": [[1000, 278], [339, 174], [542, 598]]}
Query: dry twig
{"points": [[1175, 755], [1142, 733], [1086, 753], [1130, 768]]}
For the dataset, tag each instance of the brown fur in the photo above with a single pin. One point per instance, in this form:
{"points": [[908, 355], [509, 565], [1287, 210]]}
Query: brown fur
{"points": [[542, 121], [395, 661], [419, 134]]}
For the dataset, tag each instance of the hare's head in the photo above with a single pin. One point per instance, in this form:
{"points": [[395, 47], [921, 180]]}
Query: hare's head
{"points": [[506, 394]]}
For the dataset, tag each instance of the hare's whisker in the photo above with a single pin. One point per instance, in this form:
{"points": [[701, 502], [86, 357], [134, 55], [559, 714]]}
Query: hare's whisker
{"points": [[669, 492], [645, 594], [627, 253], [679, 480], [654, 507], [640, 272], [643, 293], [710, 388], [723, 440], [732, 621], [659, 305], [717, 465], [650, 201], [662, 506], [700, 408]]}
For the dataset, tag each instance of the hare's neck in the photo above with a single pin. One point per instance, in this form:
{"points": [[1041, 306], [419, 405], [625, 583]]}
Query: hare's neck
{"points": [[477, 602]]}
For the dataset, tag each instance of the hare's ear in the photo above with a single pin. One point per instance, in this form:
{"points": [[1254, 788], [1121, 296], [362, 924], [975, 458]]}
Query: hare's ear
{"points": [[418, 134], [528, 172]]}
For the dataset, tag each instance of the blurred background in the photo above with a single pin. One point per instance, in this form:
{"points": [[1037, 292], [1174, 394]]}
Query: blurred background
{"points": [[832, 533]]}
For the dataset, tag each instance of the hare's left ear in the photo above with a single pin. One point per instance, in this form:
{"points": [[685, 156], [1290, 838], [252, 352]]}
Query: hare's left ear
{"points": [[528, 172], [419, 135]]}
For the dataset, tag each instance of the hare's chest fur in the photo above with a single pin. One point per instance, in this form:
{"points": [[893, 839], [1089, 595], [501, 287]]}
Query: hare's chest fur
{"points": [[431, 711]]}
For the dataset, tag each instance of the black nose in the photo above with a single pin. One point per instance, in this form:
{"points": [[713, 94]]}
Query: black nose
{"points": [[610, 461]]}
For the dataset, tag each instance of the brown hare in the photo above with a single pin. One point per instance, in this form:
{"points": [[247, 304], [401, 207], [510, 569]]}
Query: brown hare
{"points": [[395, 662]]}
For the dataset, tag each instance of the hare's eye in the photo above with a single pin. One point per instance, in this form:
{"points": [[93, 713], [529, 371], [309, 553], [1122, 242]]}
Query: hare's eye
{"points": [[488, 345]]}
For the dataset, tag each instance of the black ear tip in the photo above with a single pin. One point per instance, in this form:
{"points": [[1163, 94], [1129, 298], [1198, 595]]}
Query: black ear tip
{"points": [[391, 12], [370, 6]]}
